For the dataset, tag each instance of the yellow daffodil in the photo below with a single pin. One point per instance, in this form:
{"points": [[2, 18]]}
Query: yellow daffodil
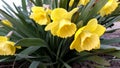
{"points": [[62, 25], [109, 7], [71, 3], [83, 2], [6, 47], [40, 15], [6, 22], [87, 37]]}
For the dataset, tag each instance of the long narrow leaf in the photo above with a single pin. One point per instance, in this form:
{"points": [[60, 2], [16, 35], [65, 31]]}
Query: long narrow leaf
{"points": [[34, 64], [110, 41], [32, 42]]}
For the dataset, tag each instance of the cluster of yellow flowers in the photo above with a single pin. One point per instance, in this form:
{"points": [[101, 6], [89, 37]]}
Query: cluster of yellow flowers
{"points": [[58, 22], [86, 38]]}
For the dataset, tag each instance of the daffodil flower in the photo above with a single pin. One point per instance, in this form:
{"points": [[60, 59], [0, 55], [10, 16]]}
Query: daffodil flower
{"points": [[6, 47], [109, 7], [81, 2], [40, 15], [71, 3], [6, 22], [62, 25], [87, 37]]}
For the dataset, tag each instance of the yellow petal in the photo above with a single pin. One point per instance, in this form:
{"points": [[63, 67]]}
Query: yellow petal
{"points": [[49, 11], [66, 29], [70, 14], [91, 25], [49, 26], [76, 44], [90, 42], [98, 46], [19, 47], [3, 39], [99, 30], [58, 14], [7, 48], [54, 29], [6, 22], [79, 32], [83, 2], [43, 21], [84, 35], [71, 3]]}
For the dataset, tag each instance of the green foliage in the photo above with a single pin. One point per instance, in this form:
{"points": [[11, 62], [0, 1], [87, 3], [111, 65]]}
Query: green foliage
{"points": [[44, 50]]}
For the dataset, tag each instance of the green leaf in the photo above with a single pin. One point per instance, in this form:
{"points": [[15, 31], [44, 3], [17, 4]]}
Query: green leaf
{"points": [[38, 2], [64, 4], [34, 64], [85, 10], [24, 56], [48, 2], [103, 51], [65, 64], [98, 60], [4, 59], [20, 28], [115, 53], [24, 7], [110, 41], [109, 46], [30, 50], [113, 30], [32, 42], [27, 51], [114, 19], [84, 53]]}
